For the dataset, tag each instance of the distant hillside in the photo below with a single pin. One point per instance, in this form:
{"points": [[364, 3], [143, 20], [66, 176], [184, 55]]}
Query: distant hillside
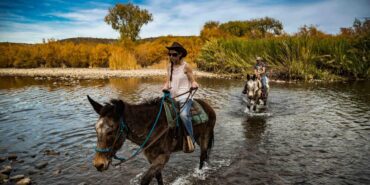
{"points": [[12, 43], [108, 41], [78, 40], [149, 39]]}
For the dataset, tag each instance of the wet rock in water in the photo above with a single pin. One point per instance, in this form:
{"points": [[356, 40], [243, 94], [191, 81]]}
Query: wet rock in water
{"points": [[323, 151], [41, 165], [32, 172], [51, 152], [16, 177], [2, 159], [20, 161], [57, 172], [3, 177], [24, 181], [20, 138], [6, 170], [12, 156], [33, 155]]}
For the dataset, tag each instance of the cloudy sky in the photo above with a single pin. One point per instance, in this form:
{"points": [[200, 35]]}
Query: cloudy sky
{"points": [[30, 21]]}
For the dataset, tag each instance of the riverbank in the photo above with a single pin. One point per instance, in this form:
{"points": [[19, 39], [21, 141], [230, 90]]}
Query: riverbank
{"points": [[93, 73], [105, 73]]}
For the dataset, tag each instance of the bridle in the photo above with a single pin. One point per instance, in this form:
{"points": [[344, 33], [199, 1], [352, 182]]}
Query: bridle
{"points": [[122, 127], [255, 90]]}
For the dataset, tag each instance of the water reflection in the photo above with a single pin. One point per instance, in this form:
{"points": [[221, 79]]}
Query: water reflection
{"points": [[7, 83], [254, 128]]}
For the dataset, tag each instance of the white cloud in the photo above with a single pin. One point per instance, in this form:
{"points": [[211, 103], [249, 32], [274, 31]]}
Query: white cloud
{"points": [[187, 18], [88, 15], [82, 23], [34, 33]]}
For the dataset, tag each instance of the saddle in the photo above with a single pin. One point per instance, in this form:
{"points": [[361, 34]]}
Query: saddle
{"points": [[198, 115]]}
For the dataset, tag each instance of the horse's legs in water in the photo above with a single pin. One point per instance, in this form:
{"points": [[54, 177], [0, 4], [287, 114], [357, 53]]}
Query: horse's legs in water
{"points": [[255, 107], [155, 169], [247, 108]]}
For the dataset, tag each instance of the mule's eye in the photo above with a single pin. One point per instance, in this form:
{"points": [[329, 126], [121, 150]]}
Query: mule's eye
{"points": [[110, 133]]}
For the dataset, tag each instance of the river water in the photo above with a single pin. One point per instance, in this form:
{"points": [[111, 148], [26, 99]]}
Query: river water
{"points": [[309, 133]]}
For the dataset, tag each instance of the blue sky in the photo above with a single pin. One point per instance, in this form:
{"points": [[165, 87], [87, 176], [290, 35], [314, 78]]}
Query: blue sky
{"points": [[30, 21]]}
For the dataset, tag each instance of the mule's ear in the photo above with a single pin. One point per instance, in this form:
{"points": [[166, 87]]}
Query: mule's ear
{"points": [[248, 77], [97, 107], [254, 77]]}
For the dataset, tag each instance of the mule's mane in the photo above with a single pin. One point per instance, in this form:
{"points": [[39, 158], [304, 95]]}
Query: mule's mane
{"points": [[151, 101], [111, 108], [116, 106]]}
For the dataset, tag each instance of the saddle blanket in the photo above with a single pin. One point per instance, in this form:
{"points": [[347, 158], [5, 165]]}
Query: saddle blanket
{"points": [[198, 114]]}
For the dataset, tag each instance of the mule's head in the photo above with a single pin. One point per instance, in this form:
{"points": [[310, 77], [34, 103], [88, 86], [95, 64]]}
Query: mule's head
{"points": [[111, 131], [252, 87]]}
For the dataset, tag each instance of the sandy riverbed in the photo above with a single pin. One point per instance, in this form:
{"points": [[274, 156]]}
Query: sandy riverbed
{"points": [[90, 73]]}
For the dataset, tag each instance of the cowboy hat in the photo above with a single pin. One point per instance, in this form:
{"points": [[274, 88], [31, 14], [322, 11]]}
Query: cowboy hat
{"points": [[178, 47], [259, 58]]}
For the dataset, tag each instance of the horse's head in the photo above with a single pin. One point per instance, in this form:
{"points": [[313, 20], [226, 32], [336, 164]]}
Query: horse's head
{"points": [[252, 86], [111, 131]]}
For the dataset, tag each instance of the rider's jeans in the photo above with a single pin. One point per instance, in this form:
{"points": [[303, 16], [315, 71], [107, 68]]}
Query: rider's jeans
{"points": [[186, 117], [264, 81]]}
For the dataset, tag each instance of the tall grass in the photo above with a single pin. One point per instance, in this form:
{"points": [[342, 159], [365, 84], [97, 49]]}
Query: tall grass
{"points": [[122, 59], [298, 57]]}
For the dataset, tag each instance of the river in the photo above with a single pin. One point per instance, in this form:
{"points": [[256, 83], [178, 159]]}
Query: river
{"points": [[309, 133]]}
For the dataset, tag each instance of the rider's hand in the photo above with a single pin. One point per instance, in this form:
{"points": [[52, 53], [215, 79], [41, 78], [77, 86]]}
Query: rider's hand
{"points": [[194, 85], [165, 89]]}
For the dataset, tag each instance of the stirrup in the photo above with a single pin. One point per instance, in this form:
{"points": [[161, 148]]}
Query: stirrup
{"points": [[188, 146]]}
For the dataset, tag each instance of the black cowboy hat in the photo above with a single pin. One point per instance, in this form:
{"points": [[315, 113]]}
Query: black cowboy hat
{"points": [[178, 47]]}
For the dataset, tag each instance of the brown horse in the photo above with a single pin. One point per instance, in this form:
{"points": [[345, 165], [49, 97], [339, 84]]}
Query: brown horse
{"points": [[138, 120]]}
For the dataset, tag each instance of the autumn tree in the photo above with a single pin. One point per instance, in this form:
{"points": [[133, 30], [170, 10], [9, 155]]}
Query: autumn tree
{"points": [[128, 19], [211, 29], [254, 28], [311, 31]]}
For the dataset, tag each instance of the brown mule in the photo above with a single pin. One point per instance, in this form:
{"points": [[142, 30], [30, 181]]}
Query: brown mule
{"points": [[138, 121]]}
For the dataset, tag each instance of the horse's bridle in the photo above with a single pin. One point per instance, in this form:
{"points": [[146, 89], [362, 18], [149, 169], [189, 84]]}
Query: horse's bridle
{"points": [[254, 93], [122, 128]]}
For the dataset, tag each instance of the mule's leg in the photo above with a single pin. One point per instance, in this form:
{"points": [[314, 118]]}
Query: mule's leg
{"points": [[205, 145], [159, 178], [155, 169], [158, 175], [203, 153]]}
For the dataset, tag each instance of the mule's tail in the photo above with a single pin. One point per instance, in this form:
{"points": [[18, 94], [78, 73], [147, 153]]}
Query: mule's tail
{"points": [[210, 144]]}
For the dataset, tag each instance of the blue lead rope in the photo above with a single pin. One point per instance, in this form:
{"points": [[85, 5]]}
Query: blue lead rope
{"points": [[151, 131]]}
